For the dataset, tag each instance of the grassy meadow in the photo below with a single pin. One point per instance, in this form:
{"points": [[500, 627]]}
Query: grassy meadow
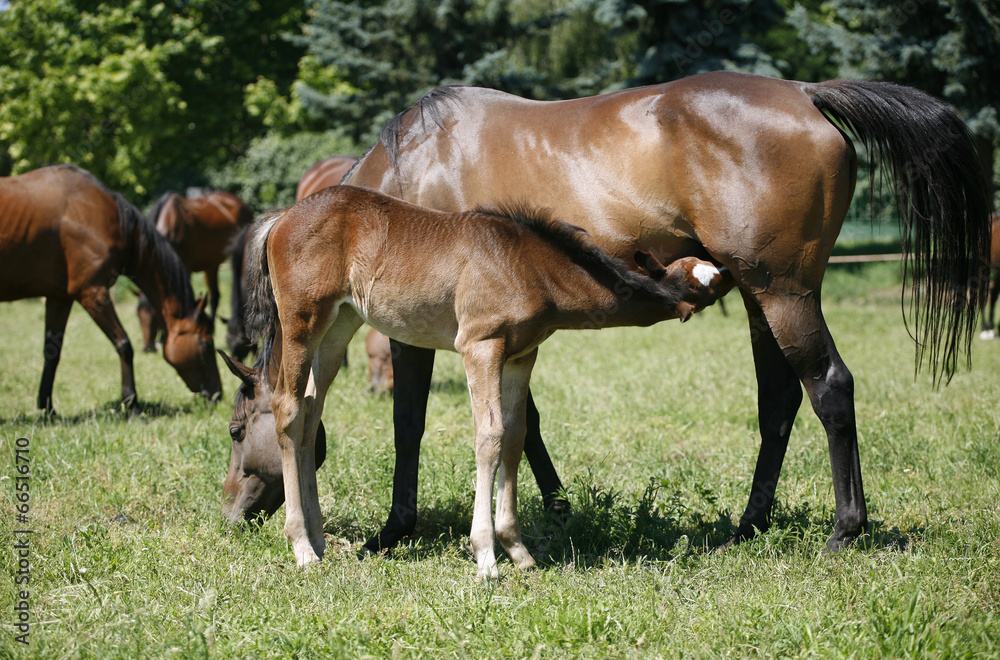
{"points": [[654, 432]]}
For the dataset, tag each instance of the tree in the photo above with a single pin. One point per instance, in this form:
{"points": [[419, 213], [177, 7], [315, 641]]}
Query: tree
{"points": [[139, 93], [949, 48]]}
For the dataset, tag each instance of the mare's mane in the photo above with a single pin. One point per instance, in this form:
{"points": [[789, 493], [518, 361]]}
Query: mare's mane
{"points": [[146, 247], [430, 105], [576, 244]]}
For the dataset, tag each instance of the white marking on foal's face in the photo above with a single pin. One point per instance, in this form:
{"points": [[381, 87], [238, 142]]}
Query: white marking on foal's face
{"points": [[704, 273]]}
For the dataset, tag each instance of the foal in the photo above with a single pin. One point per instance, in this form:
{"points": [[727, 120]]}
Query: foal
{"points": [[489, 284]]}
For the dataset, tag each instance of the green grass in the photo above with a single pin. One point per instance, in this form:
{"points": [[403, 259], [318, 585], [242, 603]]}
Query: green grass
{"points": [[654, 432]]}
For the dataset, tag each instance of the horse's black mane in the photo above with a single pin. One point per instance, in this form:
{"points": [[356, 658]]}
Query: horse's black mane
{"points": [[430, 105], [575, 243]]}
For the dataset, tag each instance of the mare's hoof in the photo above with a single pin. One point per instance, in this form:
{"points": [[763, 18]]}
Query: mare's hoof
{"points": [[987, 334]]}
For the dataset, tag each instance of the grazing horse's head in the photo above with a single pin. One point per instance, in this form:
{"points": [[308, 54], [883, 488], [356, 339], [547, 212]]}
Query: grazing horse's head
{"points": [[254, 488], [189, 349]]}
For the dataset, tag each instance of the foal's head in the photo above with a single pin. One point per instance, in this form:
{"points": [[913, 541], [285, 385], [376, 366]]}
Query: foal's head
{"points": [[254, 488], [699, 283]]}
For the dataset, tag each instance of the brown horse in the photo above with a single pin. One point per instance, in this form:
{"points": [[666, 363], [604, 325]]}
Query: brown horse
{"points": [[67, 237], [325, 173], [491, 285], [754, 173], [201, 230], [380, 378], [987, 332]]}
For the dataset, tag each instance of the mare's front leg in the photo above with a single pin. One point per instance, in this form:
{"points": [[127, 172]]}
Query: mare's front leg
{"points": [[483, 367], [513, 401], [56, 314], [988, 332], [779, 395], [541, 465], [97, 302], [412, 368]]}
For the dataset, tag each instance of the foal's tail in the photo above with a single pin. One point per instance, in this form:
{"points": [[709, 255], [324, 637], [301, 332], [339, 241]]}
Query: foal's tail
{"points": [[943, 201], [261, 309]]}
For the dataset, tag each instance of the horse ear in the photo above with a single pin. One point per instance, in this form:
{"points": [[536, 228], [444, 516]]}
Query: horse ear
{"points": [[650, 264], [240, 370], [202, 301], [684, 310]]}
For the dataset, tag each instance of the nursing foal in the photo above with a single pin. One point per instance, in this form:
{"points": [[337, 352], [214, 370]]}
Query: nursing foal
{"points": [[489, 284]]}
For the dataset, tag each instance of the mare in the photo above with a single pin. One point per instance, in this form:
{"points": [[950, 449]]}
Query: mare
{"points": [[65, 236], [490, 284], [201, 230], [327, 172], [751, 172], [987, 332]]}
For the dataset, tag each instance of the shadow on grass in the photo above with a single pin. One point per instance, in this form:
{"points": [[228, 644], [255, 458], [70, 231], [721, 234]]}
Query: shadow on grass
{"points": [[107, 412]]}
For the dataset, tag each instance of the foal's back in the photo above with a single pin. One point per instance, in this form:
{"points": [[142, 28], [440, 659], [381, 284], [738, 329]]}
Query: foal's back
{"points": [[414, 273]]}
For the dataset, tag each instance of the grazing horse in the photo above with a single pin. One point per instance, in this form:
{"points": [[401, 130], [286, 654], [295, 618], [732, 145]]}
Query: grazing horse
{"points": [[201, 230], [67, 237], [489, 284], [987, 332], [325, 173], [752, 172], [379, 350]]}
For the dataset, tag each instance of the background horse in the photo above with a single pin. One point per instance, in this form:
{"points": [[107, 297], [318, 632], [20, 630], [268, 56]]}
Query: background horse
{"points": [[491, 285], [994, 271], [201, 230], [67, 237], [327, 172], [754, 173]]}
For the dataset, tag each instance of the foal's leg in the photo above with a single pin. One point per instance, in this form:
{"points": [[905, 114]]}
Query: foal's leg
{"points": [[483, 367], [56, 315], [779, 395], [513, 396], [303, 518], [412, 368], [799, 328], [97, 302]]}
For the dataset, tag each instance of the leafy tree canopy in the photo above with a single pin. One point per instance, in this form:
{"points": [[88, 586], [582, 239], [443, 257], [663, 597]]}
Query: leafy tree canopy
{"points": [[139, 93]]}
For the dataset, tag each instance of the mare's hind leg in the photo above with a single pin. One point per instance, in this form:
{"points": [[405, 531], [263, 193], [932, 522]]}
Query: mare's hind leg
{"points": [[56, 314], [97, 302], [412, 368], [797, 324], [779, 395], [212, 280], [513, 403], [988, 332]]}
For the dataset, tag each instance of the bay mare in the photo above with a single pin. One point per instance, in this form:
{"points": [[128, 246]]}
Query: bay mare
{"points": [[65, 236], [201, 230], [488, 284], [751, 172]]}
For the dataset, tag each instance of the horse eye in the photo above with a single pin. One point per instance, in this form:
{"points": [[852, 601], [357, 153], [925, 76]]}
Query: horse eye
{"points": [[236, 433]]}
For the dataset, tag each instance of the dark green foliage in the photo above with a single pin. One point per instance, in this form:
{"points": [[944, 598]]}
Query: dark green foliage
{"points": [[138, 93], [265, 177]]}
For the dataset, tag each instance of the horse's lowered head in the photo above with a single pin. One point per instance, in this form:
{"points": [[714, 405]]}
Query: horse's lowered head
{"points": [[700, 282], [189, 349], [254, 489]]}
